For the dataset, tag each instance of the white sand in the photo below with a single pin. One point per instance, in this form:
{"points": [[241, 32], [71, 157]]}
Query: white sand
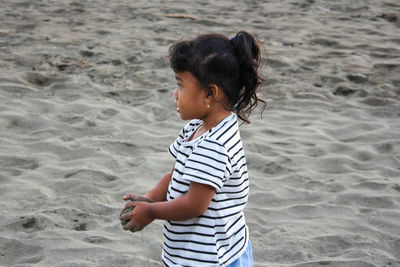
{"points": [[87, 115]]}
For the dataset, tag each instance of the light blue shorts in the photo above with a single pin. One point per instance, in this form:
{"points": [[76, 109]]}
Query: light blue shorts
{"points": [[246, 260]]}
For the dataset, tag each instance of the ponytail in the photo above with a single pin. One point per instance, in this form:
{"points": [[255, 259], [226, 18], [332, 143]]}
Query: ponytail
{"points": [[248, 55]]}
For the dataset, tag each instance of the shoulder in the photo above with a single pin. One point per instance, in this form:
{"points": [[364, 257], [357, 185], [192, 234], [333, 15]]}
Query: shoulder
{"points": [[220, 138], [228, 130], [211, 145]]}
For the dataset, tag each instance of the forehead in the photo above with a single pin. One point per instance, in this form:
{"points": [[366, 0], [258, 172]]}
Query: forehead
{"points": [[185, 76], [188, 79]]}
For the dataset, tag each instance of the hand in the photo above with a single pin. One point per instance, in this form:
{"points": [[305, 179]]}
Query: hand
{"points": [[127, 210], [139, 218], [134, 197]]}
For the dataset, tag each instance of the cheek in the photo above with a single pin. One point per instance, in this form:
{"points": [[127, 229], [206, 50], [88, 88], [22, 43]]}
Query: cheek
{"points": [[177, 98], [180, 97], [178, 93]]}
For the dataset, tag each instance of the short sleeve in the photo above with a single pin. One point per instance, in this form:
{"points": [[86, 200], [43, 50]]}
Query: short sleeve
{"points": [[207, 164], [174, 147]]}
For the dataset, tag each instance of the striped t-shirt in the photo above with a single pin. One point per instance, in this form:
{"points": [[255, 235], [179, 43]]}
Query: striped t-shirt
{"points": [[220, 235]]}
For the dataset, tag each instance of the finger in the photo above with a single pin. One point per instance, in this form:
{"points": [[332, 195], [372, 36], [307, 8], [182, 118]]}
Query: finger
{"points": [[126, 213], [145, 199], [130, 225], [126, 216], [127, 197], [135, 228]]}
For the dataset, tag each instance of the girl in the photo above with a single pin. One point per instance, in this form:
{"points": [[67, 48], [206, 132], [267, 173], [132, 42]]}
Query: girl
{"points": [[202, 198]]}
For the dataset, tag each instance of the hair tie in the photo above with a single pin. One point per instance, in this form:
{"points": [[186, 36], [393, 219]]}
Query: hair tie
{"points": [[233, 39]]}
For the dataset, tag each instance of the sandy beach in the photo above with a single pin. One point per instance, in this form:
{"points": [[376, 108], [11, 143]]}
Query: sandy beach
{"points": [[87, 115]]}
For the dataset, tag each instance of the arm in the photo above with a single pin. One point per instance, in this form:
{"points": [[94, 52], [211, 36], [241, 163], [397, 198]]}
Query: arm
{"points": [[159, 192], [188, 206]]}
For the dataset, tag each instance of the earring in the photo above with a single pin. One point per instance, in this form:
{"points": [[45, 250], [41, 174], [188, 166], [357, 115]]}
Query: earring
{"points": [[208, 105]]}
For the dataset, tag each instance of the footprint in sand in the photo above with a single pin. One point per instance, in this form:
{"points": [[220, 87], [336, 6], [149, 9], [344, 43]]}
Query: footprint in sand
{"points": [[72, 218], [92, 174], [27, 224], [38, 79], [97, 240]]}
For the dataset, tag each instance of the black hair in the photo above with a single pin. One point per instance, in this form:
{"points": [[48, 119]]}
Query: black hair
{"points": [[231, 64]]}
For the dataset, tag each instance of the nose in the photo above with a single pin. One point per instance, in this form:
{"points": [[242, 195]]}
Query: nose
{"points": [[176, 94]]}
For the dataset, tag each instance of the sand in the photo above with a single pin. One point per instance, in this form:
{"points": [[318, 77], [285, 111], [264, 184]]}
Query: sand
{"points": [[87, 115]]}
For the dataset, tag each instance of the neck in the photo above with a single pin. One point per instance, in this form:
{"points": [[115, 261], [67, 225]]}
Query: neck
{"points": [[211, 121]]}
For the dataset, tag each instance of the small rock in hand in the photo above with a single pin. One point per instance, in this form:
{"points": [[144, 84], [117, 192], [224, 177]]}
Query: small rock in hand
{"points": [[128, 211]]}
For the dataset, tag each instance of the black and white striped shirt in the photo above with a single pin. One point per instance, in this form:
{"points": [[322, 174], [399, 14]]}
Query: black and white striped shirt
{"points": [[220, 235]]}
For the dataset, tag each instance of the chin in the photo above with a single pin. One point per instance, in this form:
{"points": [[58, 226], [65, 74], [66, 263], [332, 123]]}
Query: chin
{"points": [[185, 118]]}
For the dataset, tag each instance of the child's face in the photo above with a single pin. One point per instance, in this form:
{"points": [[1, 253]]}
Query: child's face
{"points": [[190, 97]]}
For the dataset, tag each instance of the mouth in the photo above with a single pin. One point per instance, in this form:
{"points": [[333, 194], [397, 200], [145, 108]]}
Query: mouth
{"points": [[177, 109]]}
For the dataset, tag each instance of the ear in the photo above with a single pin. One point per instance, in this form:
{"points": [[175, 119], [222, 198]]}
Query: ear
{"points": [[213, 92]]}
